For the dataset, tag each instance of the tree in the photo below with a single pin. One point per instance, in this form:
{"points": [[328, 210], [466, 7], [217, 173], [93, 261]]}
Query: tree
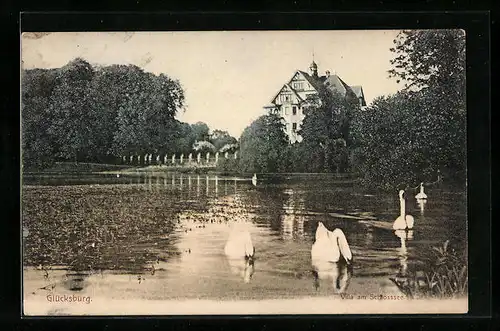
{"points": [[325, 130], [72, 118], [429, 58], [146, 119], [111, 87], [204, 147], [406, 138], [37, 86], [229, 148], [184, 138], [263, 145], [433, 62], [220, 138], [200, 131]]}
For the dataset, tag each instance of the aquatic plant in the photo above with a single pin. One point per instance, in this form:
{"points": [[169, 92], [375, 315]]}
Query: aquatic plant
{"points": [[443, 275]]}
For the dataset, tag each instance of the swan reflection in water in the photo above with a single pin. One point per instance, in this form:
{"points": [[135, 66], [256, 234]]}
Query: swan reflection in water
{"points": [[339, 274], [403, 250], [421, 203], [242, 267]]}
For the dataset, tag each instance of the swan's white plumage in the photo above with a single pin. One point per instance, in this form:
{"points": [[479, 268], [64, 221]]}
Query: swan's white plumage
{"points": [[409, 221], [254, 179], [421, 195], [330, 245], [403, 221]]}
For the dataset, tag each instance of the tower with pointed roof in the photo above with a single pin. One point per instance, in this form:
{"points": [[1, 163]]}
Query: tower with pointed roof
{"points": [[289, 102], [313, 69]]}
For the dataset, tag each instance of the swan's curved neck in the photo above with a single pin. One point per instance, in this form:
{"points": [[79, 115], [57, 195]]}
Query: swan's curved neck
{"points": [[402, 205], [421, 188]]}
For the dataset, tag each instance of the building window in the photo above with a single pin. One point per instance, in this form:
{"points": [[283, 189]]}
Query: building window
{"points": [[294, 127], [287, 111], [294, 110]]}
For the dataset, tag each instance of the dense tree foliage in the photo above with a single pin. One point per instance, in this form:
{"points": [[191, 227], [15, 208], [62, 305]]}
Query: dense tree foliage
{"points": [[408, 137], [221, 138], [263, 145], [326, 132], [200, 131], [81, 112]]}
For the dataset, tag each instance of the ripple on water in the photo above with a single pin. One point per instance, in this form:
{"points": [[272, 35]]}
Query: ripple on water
{"points": [[166, 240]]}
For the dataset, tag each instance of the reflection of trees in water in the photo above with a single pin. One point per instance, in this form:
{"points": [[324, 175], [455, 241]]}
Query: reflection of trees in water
{"points": [[102, 227], [267, 203], [292, 220]]}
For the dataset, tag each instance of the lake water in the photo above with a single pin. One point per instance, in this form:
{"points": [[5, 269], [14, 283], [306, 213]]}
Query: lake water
{"points": [[161, 236]]}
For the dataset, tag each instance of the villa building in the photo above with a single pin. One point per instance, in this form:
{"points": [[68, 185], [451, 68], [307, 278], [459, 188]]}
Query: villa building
{"points": [[290, 100]]}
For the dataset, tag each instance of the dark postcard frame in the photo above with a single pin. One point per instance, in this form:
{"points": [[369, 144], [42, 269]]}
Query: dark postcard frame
{"points": [[475, 23]]}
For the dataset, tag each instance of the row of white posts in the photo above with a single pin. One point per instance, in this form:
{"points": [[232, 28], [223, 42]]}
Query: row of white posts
{"points": [[148, 158]]}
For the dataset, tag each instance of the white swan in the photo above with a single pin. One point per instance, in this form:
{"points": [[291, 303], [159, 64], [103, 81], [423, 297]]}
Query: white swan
{"points": [[239, 245], [254, 180], [330, 245], [421, 195], [404, 221]]}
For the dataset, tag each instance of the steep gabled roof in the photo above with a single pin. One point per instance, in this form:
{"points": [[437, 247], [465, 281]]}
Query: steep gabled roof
{"points": [[332, 83], [276, 95], [295, 92], [315, 83], [358, 90], [291, 89]]}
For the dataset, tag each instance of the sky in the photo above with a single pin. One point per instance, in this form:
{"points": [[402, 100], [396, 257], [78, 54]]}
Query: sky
{"points": [[227, 76]]}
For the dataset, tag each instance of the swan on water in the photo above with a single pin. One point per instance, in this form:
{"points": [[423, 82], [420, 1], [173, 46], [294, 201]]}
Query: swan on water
{"points": [[404, 221], [239, 245], [421, 195], [330, 245], [254, 179]]}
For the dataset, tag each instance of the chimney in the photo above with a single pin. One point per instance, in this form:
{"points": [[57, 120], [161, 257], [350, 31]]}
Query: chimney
{"points": [[327, 73]]}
